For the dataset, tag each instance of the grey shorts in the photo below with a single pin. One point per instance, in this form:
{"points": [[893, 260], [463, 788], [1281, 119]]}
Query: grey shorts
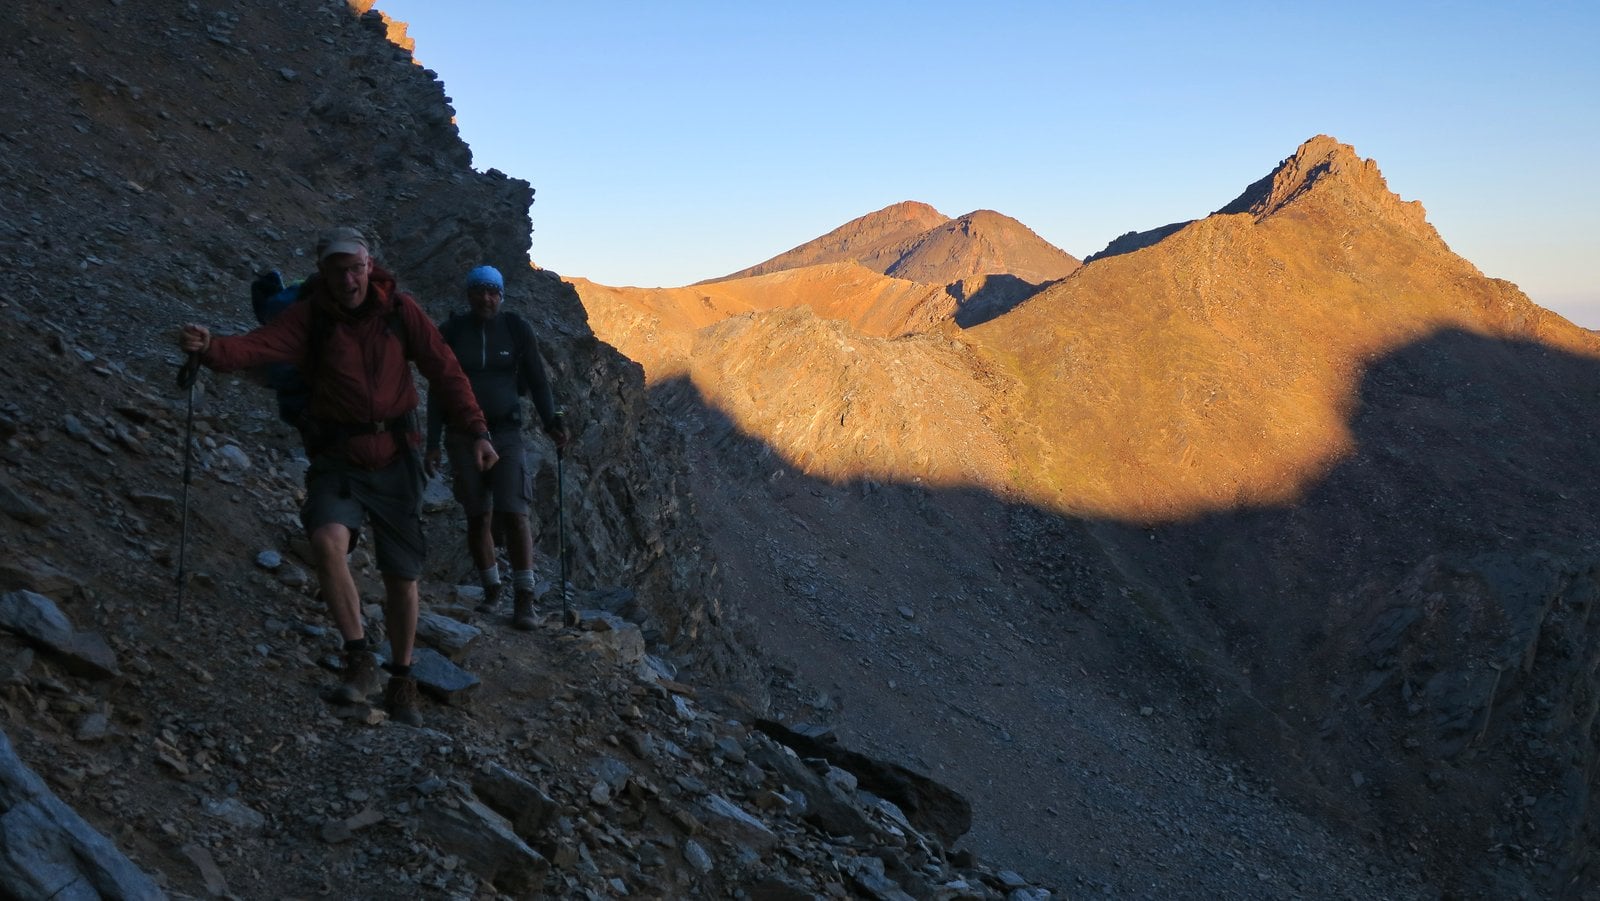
{"points": [[391, 497], [506, 488]]}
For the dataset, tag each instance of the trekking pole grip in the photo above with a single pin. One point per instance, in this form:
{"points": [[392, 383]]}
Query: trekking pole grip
{"points": [[189, 372]]}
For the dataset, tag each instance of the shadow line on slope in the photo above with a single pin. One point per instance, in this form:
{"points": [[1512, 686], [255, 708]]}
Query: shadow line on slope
{"points": [[1381, 651]]}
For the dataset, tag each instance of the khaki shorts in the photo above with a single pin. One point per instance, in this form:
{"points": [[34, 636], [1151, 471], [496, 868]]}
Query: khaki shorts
{"points": [[506, 488], [390, 497]]}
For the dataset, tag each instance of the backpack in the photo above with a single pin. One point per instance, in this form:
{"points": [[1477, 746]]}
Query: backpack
{"points": [[269, 296]]}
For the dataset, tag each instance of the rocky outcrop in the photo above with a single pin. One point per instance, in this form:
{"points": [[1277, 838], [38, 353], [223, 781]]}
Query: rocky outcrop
{"points": [[1484, 667], [274, 138], [1337, 168], [42, 623], [48, 851]]}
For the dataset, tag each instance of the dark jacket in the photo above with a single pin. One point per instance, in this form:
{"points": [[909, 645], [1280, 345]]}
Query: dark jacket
{"points": [[362, 376], [502, 361]]}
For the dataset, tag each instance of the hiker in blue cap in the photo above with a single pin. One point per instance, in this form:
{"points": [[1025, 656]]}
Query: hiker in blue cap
{"points": [[500, 356]]}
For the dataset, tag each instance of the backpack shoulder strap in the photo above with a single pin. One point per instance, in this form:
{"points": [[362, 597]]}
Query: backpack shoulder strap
{"points": [[397, 322], [449, 328], [318, 329]]}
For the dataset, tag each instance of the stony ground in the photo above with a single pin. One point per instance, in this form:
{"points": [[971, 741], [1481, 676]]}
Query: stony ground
{"points": [[157, 155], [1323, 511], [577, 766], [977, 642]]}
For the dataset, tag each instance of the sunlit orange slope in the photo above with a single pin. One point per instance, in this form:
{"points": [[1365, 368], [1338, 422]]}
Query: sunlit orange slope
{"points": [[840, 405], [875, 241], [655, 326], [902, 269], [915, 241], [1213, 369], [1217, 367]]}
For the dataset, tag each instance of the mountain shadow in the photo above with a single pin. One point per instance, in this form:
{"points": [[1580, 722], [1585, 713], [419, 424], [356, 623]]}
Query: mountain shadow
{"points": [[1128, 242], [979, 300], [1421, 621], [1397, 668]]}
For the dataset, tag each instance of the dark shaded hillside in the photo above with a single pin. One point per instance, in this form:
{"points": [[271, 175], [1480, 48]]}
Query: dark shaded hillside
{"points": [[1421, 621], [1407, 651], [158, 191], [155, 157], [1321, 461]]}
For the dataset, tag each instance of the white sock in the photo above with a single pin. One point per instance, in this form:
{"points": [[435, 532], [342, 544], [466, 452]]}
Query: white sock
{"points": [[523, 579], [490, 576]]}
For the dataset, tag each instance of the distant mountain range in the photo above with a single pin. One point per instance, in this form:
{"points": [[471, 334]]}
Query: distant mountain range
{"points": [[914, 241], [902, 269], [1302, 421]]}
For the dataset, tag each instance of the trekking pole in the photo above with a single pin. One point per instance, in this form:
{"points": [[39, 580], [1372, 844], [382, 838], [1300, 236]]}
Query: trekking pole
{"points": [[188, 374], [567, 618]]}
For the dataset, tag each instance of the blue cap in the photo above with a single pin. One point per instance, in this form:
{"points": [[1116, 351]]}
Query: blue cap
{"points": [[485, 275]]}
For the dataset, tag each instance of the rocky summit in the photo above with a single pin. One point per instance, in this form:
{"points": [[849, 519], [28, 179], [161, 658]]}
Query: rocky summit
{"points": [[914, 241], [1252, 559], [1292, 484]]}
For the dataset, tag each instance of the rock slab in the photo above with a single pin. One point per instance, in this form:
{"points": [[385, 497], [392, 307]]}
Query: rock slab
{"points": [[48, 851], [38, 619]]}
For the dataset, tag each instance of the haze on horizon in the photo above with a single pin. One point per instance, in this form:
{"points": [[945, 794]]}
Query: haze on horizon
{"points": [[673, 144]]}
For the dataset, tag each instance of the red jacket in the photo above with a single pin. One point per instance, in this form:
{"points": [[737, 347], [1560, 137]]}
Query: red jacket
{"points": [[362, 376]]}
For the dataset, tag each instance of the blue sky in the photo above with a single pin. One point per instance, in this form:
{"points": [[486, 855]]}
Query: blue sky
{"points": [[671, 142]]}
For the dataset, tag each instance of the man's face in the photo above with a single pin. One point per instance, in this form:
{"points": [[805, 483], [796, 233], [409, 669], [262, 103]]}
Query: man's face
{"points": [[484, 300], [346, 275]]}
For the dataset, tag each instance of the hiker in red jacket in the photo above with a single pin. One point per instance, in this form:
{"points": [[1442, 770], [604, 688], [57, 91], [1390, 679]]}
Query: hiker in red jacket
{"points": [[351, 338]]}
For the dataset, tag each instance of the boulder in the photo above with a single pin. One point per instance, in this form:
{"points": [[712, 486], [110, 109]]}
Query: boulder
{"points": [[450, 636], [48, 851], [930, 806], [436, 675], [487, 844], [38, 619], [523, 804]]}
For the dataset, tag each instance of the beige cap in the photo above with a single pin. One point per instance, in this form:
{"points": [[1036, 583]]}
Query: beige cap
{"points": [[343, 239]]}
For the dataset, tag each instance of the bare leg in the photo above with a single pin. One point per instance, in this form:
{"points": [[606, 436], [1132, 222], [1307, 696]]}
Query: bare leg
{"points": [[329, 544], [400, 612], [480, 541], [519, 540]]}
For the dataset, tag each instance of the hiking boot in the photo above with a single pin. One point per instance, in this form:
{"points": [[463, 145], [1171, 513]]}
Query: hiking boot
{"points": [[491, 598], [523, 616], [360, 678], [401, 700]]}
